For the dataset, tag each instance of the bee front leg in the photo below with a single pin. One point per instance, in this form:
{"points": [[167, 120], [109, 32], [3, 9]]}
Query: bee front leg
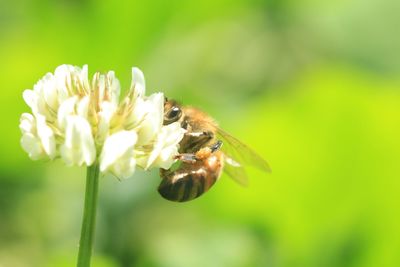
{"points": [[186, 157]]}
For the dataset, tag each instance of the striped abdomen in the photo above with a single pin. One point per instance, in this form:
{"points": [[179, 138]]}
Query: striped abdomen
{"points": [[191, 180]]}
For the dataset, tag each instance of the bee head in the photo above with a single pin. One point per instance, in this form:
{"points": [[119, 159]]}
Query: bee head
{"points": [[172, 111]]}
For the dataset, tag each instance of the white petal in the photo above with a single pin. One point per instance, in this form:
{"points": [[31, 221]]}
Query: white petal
{"points": [[67, 108], [172, 134], [49, 92], [117, 155], [72, 106], [166, 146], [100, 81], [60, 78], [107, 110], [61, 74], [83, 107], [46, 136], [157, 101], [78, 147], [27, 123], [37, 137], [68, 77], [166, 157], [113, 87], [137, 114], [31, 144], [30, 98], [138, 82], [152, 123], [83, 76], [43, 90]]}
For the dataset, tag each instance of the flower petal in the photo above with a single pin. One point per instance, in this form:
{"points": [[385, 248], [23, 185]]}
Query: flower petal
{"points": [[107, 110], [152, 123], [31, 144], [78, 147], [48, 92], [138, 82], [67, 108], [31, 98], [46, 136], [113, 87], [165, 146], [117, 155], [26, 123], [37, 137], [83, 107]]}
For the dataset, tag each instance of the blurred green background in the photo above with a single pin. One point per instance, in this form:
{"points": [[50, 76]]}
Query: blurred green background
{"points": [[313, 86]]}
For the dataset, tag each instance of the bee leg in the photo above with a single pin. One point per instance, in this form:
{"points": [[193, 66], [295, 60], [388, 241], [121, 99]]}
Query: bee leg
{"points": [[201, 154], [206, 152], [186, 157], [216, 146]]}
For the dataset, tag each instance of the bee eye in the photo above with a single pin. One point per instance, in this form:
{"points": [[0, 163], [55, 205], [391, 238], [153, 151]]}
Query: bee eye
{"points": [[175, 112], [173, 115]]}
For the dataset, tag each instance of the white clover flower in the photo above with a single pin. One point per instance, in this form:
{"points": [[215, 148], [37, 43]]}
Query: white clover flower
{"points": [[82, 122]]}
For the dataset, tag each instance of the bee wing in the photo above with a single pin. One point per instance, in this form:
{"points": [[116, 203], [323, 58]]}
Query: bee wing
{"points": [[235, 171], [238, 156]]}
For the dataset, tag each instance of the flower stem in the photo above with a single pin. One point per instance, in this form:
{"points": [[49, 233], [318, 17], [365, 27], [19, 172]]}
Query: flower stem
{"points": [[89, 216]]}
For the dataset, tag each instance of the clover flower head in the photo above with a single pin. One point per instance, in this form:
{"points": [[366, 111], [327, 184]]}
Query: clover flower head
{"points": [[82, 121]]}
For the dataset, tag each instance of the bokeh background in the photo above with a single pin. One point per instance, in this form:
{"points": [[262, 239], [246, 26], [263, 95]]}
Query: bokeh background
{"points": [[313, 86]]}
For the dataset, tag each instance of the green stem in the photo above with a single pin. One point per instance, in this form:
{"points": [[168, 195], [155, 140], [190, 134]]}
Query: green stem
{"points": [[89, 216]]}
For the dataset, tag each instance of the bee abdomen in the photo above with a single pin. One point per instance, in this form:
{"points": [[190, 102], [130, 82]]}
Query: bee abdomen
{"points": [[185, 186]]}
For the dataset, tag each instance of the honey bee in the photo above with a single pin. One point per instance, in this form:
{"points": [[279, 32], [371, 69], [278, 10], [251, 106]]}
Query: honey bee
{"points": [[205, 151]]}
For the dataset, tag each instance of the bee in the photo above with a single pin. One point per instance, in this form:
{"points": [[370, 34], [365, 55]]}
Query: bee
{"points": [[204, 152]]}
